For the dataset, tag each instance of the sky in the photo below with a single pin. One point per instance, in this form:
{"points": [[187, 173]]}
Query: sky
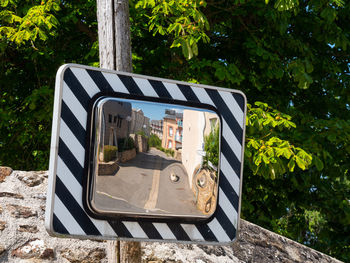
{"points": [[156, 111]]}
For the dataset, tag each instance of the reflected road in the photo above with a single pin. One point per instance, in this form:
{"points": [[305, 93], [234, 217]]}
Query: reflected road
{"points": [[143, 184]]}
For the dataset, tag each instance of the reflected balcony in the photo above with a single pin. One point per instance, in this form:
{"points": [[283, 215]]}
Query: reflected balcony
{"points": [[178, 138]]}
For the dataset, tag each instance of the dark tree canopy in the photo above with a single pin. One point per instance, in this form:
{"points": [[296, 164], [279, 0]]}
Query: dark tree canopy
{"points": [[290, 57]]}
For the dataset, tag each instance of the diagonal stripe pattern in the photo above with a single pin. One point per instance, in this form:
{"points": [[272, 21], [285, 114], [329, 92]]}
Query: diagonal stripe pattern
{"points": [[79, 85]]}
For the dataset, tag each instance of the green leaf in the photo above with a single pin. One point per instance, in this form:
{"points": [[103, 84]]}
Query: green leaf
{"points": [[287, 153], [248, 153], [220, 73], [265, 159], [291, 165], [308, 66], [272, 173], [195, 48], [300, 162], [42, 35], [254, 144], [257, 160], [318, 163], [4, 3], [186, 49], [176, 43]]}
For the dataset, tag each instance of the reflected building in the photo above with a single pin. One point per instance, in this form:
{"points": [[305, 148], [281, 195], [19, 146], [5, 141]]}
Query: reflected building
{"points": [[139, 122], [200, 124], [172, 130], [157, 128], [115, 115]]}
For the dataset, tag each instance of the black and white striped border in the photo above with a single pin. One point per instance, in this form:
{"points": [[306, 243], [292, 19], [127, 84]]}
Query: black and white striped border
{"points": [[65, 214]]}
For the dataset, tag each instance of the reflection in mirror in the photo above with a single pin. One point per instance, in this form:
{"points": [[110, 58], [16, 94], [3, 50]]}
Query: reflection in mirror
{"points": [[154, 159]]}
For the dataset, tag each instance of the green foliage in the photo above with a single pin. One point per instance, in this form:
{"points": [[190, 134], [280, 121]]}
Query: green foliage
{"points": [[142, 133], [182, 19], [36, 37], [126, 144], [154, 141], [293, 56], [290, 57], [268, 155], [109, 153], [38, 22], [212, 148], [169, 152]]}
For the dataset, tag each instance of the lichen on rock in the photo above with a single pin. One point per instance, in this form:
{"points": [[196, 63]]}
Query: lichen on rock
{"points": [[34, 248]]}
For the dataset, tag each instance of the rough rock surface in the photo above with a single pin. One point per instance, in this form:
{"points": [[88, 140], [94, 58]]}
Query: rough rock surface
{"points": [[28, 228], [14, 195], [35, 248], [31, 180], [21, 211], [23, 237], [256, 244], [4, 171], [169, 252], [92, 256], [2, 225], [2, 250]]}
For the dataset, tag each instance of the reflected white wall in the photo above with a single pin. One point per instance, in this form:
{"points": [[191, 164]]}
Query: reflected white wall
{"points": [[193, 140]]}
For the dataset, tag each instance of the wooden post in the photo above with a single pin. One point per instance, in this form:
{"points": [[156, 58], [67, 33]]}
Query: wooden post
{"points": [[115, 53], [114, 34]]}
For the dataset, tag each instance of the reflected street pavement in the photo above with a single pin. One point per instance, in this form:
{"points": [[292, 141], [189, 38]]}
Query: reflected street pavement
{"points": [[143, 184]]}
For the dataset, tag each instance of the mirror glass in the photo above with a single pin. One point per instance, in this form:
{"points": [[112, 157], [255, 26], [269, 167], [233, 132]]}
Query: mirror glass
{"points": [[153, 159]]}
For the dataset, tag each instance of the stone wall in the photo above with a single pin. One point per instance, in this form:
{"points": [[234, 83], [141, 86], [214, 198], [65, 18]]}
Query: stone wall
{"points": [[127, 155], [23, 237], [108, 168], [141, 143]]}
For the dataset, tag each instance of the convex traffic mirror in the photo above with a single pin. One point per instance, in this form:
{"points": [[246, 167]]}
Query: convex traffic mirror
{"points": [[153, 159], [143, 158]]}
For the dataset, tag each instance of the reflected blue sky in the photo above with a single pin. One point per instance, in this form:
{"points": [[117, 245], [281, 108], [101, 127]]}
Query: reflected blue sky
{"points": [[156, 110]]}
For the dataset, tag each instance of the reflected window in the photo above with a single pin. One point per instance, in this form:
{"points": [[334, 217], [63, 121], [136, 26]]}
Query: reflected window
{"points": [[170, 144], [178, 135], [171, 131], [119, 124]]}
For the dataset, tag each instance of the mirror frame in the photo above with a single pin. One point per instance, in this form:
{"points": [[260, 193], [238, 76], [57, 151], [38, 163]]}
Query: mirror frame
{"points": [[66, 213], [89, 162]]}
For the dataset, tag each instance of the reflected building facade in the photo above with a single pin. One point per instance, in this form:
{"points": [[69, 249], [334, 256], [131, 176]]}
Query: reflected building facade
{"points": [[172, 130], [115, 115], [200, 124], [157, 128], [139, 122]]}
